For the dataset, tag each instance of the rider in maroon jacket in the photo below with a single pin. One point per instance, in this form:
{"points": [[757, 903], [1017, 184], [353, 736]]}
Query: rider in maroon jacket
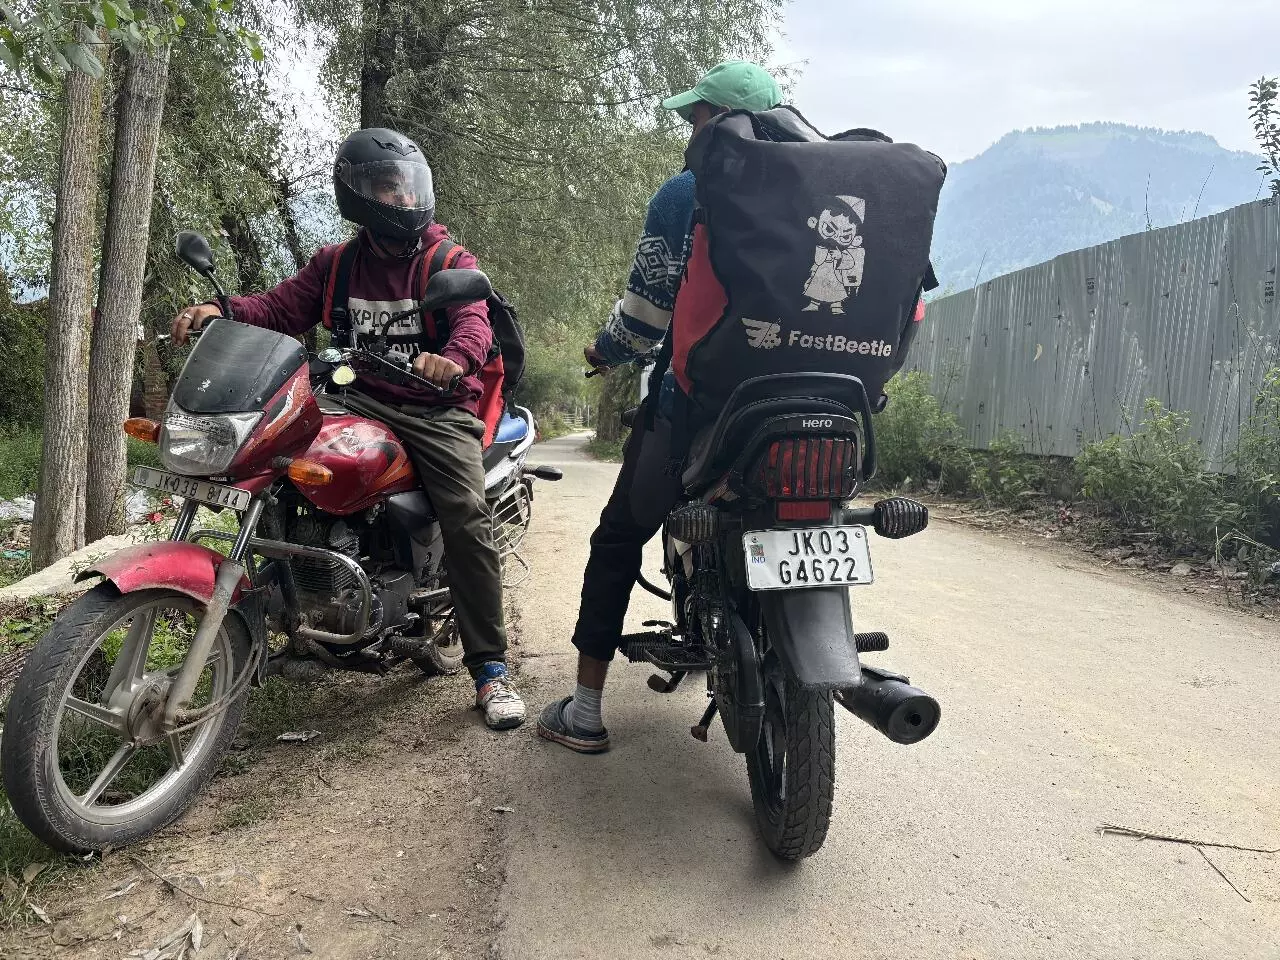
{"points": [[383, 183]]}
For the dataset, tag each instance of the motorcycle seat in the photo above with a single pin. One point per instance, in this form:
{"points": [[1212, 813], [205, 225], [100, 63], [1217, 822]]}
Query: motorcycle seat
{"points": [[512, 431]]}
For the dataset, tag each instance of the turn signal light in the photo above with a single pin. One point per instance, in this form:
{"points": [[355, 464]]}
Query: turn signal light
{"points": [[140, 428], [310, 474]]}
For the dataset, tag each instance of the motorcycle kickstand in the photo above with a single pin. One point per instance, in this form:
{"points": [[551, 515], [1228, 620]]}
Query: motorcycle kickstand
{"points": [[700, 731]]}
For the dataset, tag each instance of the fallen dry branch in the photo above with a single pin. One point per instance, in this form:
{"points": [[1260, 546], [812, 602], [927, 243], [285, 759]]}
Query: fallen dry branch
{"points": [[1199, 846], [1106, 828], [183, 890], [1200, 851]]}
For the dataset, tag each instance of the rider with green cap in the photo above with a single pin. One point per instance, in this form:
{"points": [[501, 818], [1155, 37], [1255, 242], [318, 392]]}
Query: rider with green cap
{"points": [[638, 323]]}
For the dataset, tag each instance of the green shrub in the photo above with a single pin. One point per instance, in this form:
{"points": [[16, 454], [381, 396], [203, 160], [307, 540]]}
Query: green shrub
{"points": [[19, 460], [1154, 480], [917, 442], [1005, 474], [609, 450], [22, 329], [553, 425], [142, 454], [1255, 485]]}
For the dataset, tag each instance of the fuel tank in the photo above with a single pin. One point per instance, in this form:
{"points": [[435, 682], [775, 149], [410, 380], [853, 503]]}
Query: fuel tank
{"points": [[368, 462]]}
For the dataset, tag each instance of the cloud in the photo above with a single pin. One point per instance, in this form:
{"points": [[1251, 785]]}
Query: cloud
{"points": [[956, 76]]}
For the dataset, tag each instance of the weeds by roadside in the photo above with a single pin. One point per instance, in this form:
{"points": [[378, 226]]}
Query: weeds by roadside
{"points": [[1151, 485], [607, 450]]}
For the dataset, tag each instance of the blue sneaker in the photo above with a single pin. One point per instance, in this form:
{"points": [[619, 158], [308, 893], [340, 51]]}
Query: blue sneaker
{"points": [[502, 706]]}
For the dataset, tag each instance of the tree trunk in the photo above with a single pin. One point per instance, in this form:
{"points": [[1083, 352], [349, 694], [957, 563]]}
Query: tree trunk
{"points": [[58, 526], [293, 241], [124, 259], [245, 251], [375, 70]]}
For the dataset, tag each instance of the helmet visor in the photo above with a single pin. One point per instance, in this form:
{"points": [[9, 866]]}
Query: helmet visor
{"points": [[395, 183]]}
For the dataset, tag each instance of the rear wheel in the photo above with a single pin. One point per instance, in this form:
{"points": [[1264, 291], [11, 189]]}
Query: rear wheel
{"points": [[792, 766], [84, 761]]}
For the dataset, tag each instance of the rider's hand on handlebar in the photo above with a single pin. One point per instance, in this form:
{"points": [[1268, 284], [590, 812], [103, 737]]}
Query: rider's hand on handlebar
{"points": [[191, 318], [439, 370], [592, 356]]}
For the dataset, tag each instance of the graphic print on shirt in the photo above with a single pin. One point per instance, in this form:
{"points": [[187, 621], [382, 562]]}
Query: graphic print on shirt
{"points": [[838, 259], [368, 316]]}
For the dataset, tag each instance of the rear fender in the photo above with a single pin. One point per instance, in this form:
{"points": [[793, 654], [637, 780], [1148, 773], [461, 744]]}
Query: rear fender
{"points": [[812, 630], [188, 568]]}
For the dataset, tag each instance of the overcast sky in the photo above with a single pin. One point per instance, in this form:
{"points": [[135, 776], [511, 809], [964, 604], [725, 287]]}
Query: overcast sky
{"points": [[956, 76]]}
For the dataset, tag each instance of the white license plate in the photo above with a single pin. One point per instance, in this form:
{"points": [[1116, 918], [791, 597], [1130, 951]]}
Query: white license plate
{"points": [[807, 557], [192, 489]]}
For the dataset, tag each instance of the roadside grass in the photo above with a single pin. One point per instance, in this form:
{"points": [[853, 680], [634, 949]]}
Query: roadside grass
{"points": [[607, 450]]}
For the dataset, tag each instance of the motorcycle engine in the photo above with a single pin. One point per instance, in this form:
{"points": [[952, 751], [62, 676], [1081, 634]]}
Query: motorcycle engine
{"points": [[331, 588]]}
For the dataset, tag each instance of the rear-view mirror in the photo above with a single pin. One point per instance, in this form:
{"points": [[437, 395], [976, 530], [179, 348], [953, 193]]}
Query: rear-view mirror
{"points": [[450, 288], [193, 250]]}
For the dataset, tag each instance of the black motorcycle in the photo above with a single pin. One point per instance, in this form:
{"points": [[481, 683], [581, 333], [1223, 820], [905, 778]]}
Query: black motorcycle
{"points": [[760, 554]]}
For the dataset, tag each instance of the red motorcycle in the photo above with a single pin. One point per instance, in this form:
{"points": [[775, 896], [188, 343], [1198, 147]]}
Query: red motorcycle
{"points": [[125, 706]]}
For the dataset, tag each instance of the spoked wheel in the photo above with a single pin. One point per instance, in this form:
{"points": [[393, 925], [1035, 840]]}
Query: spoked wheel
{"points": [[441, 654], [792, 766], [84, 760]]}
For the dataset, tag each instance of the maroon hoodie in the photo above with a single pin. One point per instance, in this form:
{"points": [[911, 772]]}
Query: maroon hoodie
{"points": [[380, 286]]}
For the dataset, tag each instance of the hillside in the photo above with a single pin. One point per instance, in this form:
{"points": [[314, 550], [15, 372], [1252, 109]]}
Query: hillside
{"points": [[1038, 193]]}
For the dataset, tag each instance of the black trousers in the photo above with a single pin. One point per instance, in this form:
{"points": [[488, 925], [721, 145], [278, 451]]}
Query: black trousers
{"points": [[642, 497]]}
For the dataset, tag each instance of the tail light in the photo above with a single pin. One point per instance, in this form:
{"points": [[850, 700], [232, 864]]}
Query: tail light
{"points": [[809, 468]]}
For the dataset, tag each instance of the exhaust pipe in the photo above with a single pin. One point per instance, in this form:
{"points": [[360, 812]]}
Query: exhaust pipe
{"points": [[886, 701]]}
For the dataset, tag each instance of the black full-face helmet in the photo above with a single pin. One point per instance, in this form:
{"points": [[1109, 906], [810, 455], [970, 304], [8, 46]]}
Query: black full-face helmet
{"points": [[382, 182]]}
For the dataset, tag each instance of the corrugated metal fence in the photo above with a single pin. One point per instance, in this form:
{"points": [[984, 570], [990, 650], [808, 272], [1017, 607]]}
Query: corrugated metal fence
{"points": [[1067, 352]]}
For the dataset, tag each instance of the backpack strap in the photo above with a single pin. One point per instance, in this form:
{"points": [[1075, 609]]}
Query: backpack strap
{"points": [[443, 255], [336, 315]]}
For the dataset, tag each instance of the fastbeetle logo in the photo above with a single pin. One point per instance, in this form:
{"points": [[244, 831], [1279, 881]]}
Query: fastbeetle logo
{"points": [[876, 348], [762, 334]]}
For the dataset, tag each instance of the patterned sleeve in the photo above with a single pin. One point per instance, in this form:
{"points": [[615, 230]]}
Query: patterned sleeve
{"points": [[640, 319]]}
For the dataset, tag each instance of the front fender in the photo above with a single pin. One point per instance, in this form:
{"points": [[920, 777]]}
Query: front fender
{"points": [[169, 564], [812, 630]]}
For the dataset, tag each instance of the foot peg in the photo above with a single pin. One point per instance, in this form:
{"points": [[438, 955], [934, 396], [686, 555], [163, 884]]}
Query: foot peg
{"points": [[700, 731], [660, 649]]}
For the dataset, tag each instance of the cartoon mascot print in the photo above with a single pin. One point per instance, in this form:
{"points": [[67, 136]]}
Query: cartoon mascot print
{"points": [[839, 256]]}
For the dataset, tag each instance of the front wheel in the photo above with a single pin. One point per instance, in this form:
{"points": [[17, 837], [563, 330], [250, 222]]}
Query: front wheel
{"points": [[84, 762], [792, 766]]}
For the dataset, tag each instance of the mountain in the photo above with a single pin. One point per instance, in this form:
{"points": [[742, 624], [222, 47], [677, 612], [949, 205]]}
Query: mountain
{"points": [[1038, 193]]}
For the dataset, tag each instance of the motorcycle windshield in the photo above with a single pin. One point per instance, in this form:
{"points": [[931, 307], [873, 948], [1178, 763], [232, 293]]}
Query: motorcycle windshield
{"points": [[236, 368]]}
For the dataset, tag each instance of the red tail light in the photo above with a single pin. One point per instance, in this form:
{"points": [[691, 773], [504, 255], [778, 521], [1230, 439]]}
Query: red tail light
{"points": [[809, 468], [803, 509]]}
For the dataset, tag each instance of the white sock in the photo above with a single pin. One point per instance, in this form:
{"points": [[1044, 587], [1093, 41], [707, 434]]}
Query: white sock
{"points": [[582, 713]]}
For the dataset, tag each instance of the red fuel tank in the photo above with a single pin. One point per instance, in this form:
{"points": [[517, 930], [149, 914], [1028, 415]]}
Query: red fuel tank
{"points": [[368, 464]]}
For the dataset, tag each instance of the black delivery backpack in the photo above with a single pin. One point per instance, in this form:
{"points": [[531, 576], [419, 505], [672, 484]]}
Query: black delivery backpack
{"points": [[810, 254]]}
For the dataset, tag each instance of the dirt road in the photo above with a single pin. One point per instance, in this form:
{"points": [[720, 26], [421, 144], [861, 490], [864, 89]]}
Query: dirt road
{"points": [[1071, 695]]}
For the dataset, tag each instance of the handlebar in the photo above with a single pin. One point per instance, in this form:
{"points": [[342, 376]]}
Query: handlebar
{"points": [[395, 369]]}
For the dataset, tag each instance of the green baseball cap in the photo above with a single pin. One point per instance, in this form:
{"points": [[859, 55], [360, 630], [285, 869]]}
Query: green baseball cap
{"points": [[735, 84]]}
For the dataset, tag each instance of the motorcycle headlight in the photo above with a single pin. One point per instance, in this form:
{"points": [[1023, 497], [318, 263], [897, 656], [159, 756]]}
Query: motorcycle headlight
{"points": [[203, 445]]}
